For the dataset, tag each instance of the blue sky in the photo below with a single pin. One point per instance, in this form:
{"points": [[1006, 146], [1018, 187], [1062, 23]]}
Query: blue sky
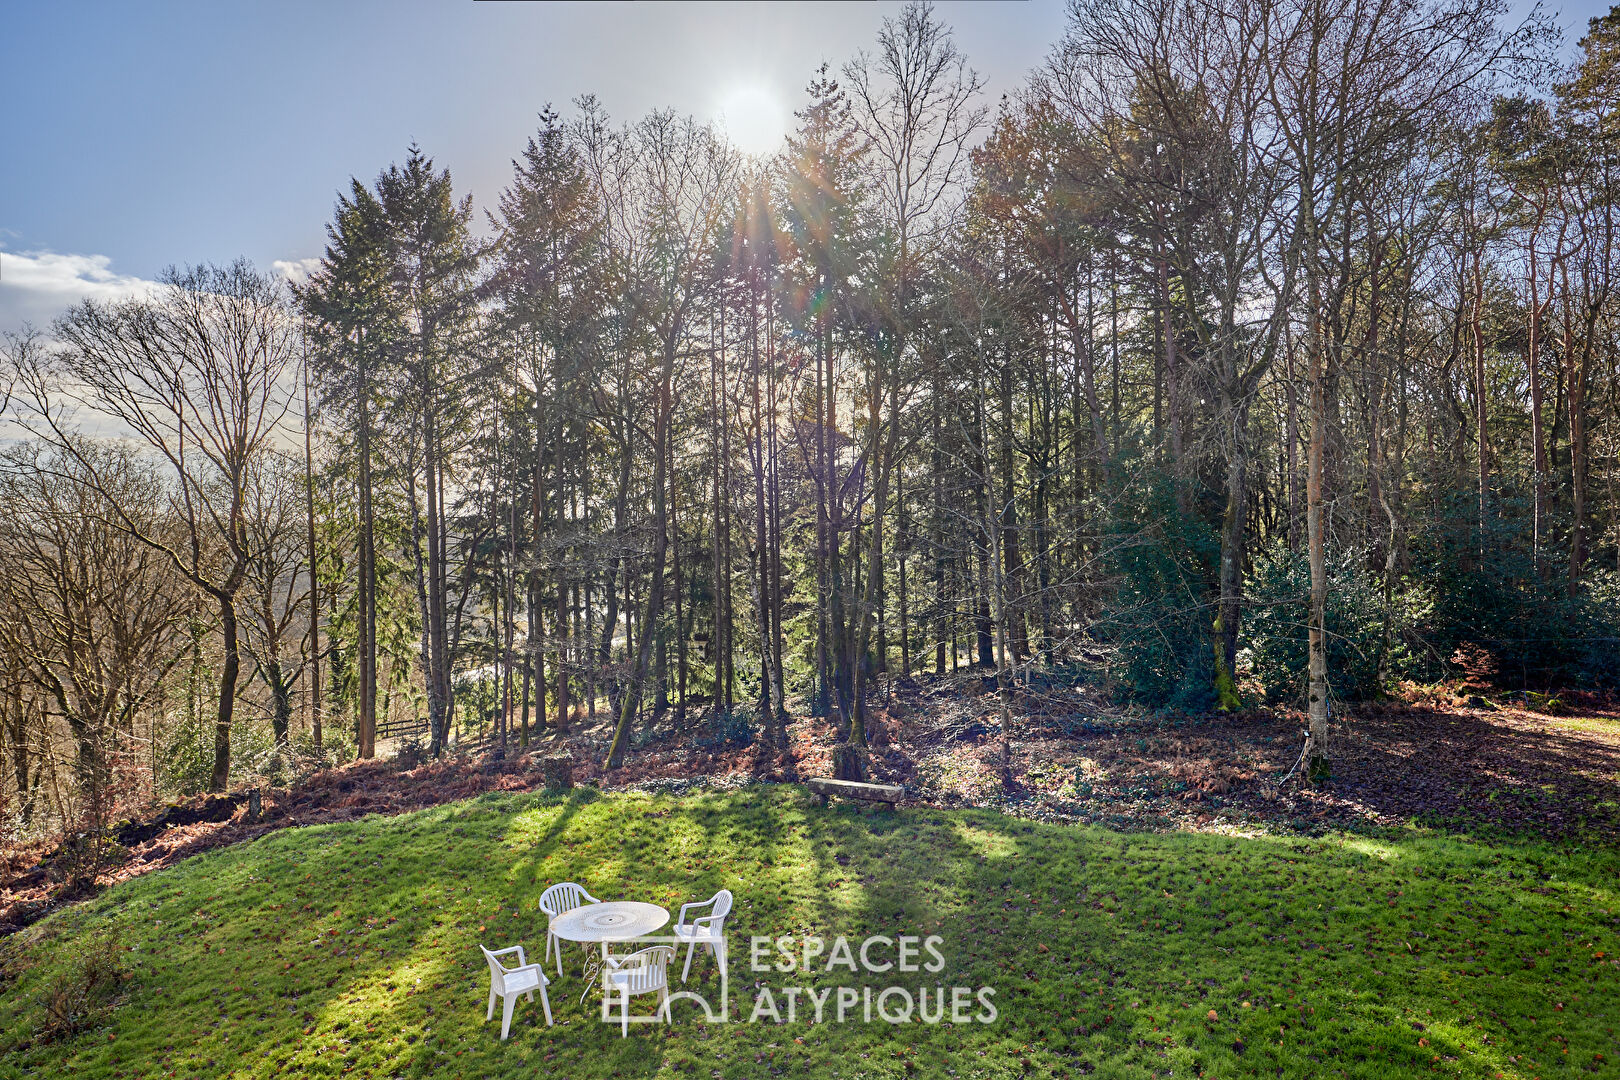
{"points": [[134, 136]]}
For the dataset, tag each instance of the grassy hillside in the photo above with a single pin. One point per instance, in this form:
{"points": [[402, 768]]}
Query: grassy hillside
{"points": [[351, 949]]}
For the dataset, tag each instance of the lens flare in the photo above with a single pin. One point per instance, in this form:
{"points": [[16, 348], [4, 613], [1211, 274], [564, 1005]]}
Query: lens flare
{"points": [[753, 118]]}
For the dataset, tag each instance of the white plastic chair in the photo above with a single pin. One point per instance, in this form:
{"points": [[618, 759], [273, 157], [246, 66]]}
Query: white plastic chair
{"points": [[639, 973], [564, 896], [707, 930], [508, 983]]}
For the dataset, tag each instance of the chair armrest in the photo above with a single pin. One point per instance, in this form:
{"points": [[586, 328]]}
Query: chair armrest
{"points": [[588, 896], [522, 960], [622, 963], [681, 920], [708, 920]]}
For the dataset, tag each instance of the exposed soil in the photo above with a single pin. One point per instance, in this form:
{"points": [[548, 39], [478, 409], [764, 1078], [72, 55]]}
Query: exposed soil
{"points": [[1462, 763]]}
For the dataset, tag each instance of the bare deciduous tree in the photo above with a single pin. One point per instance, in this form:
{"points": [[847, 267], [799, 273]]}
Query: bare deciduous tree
{"points": [[199, 373]]}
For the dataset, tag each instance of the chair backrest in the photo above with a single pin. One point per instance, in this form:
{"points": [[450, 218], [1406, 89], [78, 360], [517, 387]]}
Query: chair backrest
{"points": [[719, 906], [497, 971], [564, 896], [646, 970]]}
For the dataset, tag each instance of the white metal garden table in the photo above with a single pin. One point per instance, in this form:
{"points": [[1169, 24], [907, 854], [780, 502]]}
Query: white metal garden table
{"points": [[615, 920]]}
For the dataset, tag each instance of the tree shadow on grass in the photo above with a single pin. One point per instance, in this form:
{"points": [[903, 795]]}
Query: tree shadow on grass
{"points": [[1071, 927]]}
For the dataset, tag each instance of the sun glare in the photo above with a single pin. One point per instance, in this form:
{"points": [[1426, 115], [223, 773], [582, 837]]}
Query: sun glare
{"points": [[753, 118]]}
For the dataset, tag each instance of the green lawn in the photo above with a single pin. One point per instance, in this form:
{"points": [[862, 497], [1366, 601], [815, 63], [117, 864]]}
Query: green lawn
{"points": [[351, 949]]}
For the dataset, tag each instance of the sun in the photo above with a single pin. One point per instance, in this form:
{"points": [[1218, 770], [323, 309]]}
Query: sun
{"points": [[753, 118]]}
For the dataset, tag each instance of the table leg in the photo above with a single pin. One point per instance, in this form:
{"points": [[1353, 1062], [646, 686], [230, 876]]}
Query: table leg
{"points": [[593, 968]]}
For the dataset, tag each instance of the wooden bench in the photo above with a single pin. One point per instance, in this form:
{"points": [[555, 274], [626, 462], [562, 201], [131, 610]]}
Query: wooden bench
{"points": [[821, 787]]}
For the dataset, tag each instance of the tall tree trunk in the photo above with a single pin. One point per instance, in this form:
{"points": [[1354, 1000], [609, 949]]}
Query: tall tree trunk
{"points": [[1229, 610], [655, 592], [984, 622], [936, 467], [230, 670], [1043, 561], [1172, 376], [773, 487], [761, 546], [1372, 362], [821, 702], [616, 565], [438, 675], [998, 595], [314, 574], [722, 620], [562, 670], [1080, 334], [425, 649], [509, 609], [1291, 434], [1012, 572], [1317, 689], [276, 680], [1579, 379], [903, 552], [838, 623], [1532, 361], [366, 722], [1481, 391], [884, 442]]}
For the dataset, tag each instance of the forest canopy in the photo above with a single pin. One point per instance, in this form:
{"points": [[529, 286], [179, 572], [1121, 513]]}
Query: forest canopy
{"points": [[1253, 350]]}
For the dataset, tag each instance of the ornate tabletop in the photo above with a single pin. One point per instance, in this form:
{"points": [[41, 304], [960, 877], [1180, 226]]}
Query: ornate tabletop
{"points": [[616, 920]]}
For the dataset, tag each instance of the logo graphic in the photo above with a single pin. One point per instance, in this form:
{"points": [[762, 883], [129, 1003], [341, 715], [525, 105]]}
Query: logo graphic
{"points": [[841, 972], [649, 970]]}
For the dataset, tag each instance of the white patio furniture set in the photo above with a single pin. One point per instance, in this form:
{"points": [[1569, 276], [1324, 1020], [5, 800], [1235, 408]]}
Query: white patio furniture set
{"points": [[573, 914]]}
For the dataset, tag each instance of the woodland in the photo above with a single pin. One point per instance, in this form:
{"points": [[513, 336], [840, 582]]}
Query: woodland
{"points": [[1194, 478], [1227, 418]]}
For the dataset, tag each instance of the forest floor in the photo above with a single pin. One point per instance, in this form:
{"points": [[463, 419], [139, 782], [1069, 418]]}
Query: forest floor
{"points": [[1458, 761], [1461, 762]]}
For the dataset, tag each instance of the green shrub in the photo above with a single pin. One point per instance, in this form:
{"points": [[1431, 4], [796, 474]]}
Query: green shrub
{"points": [[1490, 595], [1159, 614], [726, 728], [189, 756], [1361, 650], [1598, 660], [337, 743]]}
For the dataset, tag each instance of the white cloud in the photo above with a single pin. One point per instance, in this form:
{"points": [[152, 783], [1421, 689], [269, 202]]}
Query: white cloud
{"points": [[37, 286], [296, 271]]}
